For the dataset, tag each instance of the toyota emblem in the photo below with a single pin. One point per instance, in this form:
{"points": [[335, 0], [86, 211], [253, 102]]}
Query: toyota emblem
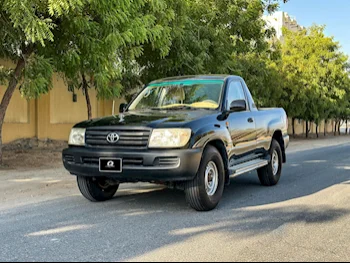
{"points": [[113, 138]]}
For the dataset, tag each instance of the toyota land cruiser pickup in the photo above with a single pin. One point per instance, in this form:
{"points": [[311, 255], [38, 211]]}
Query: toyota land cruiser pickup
{"points": [[193, 132]]}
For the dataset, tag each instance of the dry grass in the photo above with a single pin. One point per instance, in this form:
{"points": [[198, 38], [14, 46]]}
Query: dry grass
{"points": [[33, 154]]}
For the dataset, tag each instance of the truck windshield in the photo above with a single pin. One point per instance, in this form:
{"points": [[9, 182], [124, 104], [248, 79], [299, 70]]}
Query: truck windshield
{"points": [[184, 94]]}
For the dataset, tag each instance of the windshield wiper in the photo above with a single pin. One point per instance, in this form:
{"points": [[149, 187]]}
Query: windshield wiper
{"points": [[159, 109], [182, 107]]}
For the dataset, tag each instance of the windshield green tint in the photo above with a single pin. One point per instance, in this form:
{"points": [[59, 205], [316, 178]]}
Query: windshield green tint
{"points": [[205, 94]]}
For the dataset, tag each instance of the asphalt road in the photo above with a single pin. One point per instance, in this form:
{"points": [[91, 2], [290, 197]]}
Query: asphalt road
{"points": [[306, 217]]}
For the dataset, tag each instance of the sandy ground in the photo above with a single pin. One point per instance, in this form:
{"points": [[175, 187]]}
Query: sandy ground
{"points": [[39, 157], [309, 144]]}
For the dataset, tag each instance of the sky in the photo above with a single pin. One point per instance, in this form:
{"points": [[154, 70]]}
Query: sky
{"points": [[334, 14]]}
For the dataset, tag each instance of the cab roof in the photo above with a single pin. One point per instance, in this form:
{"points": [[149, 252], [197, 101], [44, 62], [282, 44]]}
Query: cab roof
{"points": [[196, 77]]}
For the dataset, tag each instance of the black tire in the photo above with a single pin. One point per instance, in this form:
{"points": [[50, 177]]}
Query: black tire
{"points": [[96, 190], [196, 194], [266, 174]]}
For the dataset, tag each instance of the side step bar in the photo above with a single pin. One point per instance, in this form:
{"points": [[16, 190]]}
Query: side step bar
{"points": [[247, 167]]}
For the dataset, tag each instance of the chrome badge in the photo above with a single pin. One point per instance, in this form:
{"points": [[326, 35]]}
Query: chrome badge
{"points": [[113, 138]]}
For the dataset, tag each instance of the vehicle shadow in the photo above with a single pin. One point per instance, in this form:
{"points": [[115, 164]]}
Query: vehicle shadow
{"points": [[146, 218], [305, 174]]}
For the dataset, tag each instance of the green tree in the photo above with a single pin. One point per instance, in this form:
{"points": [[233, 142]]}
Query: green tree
{"points": [[26, 30], [262, 75], [97, 42], [207, 35], [315, 70], [85, 40]]}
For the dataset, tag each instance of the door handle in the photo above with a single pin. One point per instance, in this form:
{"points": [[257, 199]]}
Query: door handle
{"points": [[250, 120]]}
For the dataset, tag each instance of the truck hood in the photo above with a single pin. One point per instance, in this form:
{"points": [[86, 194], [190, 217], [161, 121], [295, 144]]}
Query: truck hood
{"points": [[151, 119]]}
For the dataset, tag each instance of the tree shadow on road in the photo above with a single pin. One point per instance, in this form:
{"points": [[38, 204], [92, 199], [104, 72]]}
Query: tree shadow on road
{"points": [[145, 218], [71, 229], [305, 173]]}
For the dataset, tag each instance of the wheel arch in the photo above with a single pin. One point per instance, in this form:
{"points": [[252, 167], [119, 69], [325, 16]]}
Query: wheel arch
{"points": [[278, 136], [220, 146]]}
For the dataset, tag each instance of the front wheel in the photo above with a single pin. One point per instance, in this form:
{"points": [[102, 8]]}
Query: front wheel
{"points": [[205, 191], [96, 190], [271, 174]]}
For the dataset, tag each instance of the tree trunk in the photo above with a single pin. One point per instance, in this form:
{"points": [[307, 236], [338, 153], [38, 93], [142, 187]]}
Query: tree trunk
{"points": [[346, 130], [335, 128], [317, 131], [325, 128], [339, 126], [293, 126], [307, 129], [7, 98], [87, 97]]}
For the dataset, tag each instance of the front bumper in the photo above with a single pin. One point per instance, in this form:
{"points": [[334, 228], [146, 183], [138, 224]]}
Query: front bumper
{"points": [[142, 166], [286, 141]]}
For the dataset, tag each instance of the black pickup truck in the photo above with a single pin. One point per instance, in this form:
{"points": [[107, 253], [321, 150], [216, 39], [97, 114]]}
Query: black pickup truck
{"points": [[191, 132]]}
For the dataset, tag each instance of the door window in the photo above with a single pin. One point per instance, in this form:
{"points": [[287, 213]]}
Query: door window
{"points": [[235, 92]]}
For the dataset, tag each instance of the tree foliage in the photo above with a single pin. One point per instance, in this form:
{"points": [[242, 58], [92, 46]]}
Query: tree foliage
{"points": [[205, 35], [97, 41], [87, 41], [115, 46], [316, 73], [26, 31]]}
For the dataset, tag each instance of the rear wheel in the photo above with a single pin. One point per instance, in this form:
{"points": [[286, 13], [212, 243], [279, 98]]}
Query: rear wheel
{"points": [[96, 190], [205, 191], [271, 174]]}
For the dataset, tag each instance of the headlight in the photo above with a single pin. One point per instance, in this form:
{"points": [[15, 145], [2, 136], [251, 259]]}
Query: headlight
{"points": [[77, 137], [169, 138]]}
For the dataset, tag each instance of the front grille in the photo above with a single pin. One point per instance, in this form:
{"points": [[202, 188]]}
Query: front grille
{"points": [[69, 158], [94, 161], [132, 162], [136, 162], [128, 138], [91, 161], [167, 161]]}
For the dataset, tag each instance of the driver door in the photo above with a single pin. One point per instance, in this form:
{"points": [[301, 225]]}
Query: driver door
{"points": [[241, 125]]}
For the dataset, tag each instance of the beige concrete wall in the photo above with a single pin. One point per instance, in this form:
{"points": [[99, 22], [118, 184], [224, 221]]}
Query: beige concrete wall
{"points": [[14, 130], [45, 128], [62, 108], [20, 115], [300, 127], [330, 126], [57, 125], [52, 115], [19, 118], [58, 113], [18, 109]]}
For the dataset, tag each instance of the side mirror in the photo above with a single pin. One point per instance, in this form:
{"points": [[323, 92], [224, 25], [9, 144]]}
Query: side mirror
{"points": [[122, 107], [238, 106]]}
